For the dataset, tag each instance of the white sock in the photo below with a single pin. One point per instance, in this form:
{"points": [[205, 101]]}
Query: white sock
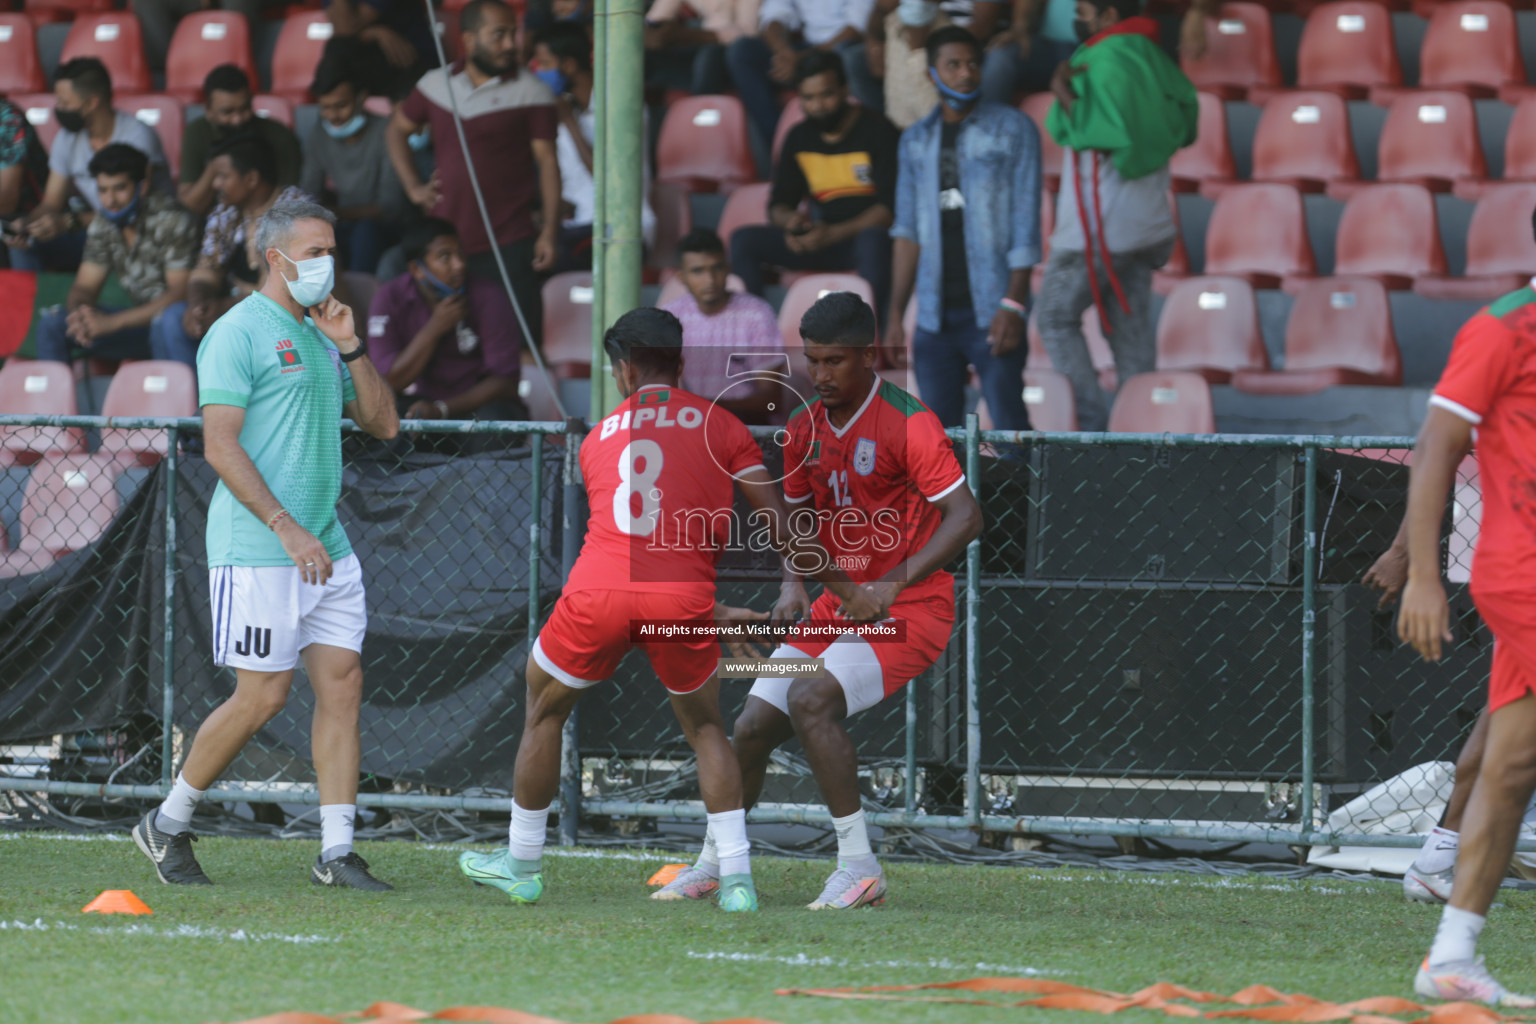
{"points": [[1438, 852], [1457, 938], [175, 814], [525, 840], [709, 856], [336, 823], [853, 840], [730, 831]]}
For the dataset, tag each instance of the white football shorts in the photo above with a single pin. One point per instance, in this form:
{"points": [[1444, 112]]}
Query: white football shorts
{"points": [[850, 660], [263, 616]]}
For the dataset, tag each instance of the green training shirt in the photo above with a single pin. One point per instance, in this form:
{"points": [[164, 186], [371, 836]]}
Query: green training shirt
{"points": [[292, 384]]}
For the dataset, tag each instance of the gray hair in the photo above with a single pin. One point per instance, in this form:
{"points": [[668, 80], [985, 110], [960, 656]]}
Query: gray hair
{"points": [[276, 225]]}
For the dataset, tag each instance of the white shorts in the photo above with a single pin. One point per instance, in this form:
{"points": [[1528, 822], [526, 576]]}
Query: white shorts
{"points": [[850, 660], [264, 616]]}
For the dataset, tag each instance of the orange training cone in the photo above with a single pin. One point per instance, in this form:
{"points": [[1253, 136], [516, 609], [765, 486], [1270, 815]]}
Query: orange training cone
{"points": [[116, 901], [667, 874]]}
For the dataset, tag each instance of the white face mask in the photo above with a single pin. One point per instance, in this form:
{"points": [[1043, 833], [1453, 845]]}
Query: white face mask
{"points": [[316, 279]]}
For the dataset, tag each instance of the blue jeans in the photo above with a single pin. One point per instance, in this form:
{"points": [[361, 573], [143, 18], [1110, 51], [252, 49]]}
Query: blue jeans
{"points": [[942, 360], [60, 253], [170, 340], [749, 60], [54, 342], [362, 242], [1005, 73]]}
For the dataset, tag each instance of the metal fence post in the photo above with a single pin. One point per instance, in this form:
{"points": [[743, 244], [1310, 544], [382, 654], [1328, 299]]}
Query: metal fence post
{"points": [[972, 642], [909, 779], [168, 682], [535, 536], [573, 522], [1308, 634]]}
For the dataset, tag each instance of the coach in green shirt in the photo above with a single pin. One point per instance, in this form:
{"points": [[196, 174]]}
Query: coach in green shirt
{"points": [[275, 375]]}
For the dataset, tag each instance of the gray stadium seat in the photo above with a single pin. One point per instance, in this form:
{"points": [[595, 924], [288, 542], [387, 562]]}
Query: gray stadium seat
{"points": [[1425, 328]]}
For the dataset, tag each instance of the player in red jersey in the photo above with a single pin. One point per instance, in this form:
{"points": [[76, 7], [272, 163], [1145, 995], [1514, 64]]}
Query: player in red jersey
{"points": [[873, 465], [659, 473], [1490, 385]]}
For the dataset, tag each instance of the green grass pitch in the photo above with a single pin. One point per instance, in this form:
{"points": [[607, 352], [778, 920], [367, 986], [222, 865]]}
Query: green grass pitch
{"points": [[265, 940]]}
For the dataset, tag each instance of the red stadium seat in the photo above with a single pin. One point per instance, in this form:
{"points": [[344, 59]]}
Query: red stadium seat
{"points": [[535, 393], [1348, 48], [21, 70], [1167, 277], [1240, 53], [1430, 139], [1339, 333], [1501, 254], [70, 501], [1205, 165], [1303, 140], [41, 11], [802, 295], [674, 219], [37, 388], [38, 109], [568, 324], [1259, 232], [1390, 233], [1210, 326], [703, 144], [165, 115], [274, 108], [1163, 403], [149, 387], [1048, 397], [673, 289], [299, 46], [1520, 143], [1037, 105], [745, 207], [203, 40], [792, 115], [117, 41], [1473, 46]]}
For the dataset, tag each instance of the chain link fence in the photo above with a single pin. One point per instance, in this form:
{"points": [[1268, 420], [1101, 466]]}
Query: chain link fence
{"points": [[1155, 636]]}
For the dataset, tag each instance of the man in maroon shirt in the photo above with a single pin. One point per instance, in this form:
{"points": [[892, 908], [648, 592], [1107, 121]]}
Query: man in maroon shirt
{"points": [[510, 123], [446, 340]]}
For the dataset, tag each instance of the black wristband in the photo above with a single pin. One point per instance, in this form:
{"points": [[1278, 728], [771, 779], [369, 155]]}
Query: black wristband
{"points": [[357, 353]]}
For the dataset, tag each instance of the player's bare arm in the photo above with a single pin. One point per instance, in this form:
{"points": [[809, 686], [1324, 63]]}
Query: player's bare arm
{"points": [[374, 409], [221, 446], [959, 524], [1424, 619]]}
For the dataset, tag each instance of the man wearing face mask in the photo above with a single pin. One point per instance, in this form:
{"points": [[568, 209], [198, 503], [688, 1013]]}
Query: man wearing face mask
{"points": [[347, 147], [510, 121], [275, 377], [147, 242], [228, 115], [967, 233], [444, 339], [842, 159], [53, 236]]}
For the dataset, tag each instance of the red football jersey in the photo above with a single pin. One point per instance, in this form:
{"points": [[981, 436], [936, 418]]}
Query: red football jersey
{"points": [[874, 482], [1490, 381], [660, 474]]}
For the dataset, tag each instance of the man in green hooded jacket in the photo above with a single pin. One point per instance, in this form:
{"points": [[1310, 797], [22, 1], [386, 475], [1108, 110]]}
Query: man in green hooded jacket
{"points": [[1123, 108]]}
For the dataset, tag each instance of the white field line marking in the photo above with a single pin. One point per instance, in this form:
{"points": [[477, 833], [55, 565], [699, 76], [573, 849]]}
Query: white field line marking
{"points": [[91, 837], [663, 856], [801, 960], [180, 931]]}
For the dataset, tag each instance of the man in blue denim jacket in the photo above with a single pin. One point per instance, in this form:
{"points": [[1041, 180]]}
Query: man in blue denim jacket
{"points": [[967, 232]]}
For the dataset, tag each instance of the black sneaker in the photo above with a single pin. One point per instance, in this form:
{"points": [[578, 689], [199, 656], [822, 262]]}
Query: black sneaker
{"points": [[347, 872], [170, 854]]}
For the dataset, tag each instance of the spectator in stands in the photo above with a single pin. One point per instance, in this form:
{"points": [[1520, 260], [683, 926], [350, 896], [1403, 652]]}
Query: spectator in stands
{"points": [[144, 239], [564, 55], [158, 19], [228, 115], [53, 237], [690, 54], [843, 158], [511, 123], [445, 339], [23, 163], [228, 267], [383, 45], [1123, 108], [719, 324], [894, 47], [763, 64], [346, 162], [968, 232]]}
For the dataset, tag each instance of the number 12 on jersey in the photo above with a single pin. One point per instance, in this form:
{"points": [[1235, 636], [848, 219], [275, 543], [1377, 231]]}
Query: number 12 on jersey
{"points": [[839, 483]]}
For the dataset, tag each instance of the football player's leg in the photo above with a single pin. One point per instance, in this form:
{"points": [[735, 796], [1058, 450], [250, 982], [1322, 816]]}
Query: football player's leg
{"points": [[698, 711], [1429, 878]]}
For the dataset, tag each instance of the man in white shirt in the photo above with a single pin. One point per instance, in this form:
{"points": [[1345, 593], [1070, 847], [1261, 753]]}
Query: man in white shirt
{"points": [[764, 65]]}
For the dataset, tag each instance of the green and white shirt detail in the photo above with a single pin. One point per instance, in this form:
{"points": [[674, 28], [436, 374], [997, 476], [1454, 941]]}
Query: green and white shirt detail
{"points": [[292, 384]]}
